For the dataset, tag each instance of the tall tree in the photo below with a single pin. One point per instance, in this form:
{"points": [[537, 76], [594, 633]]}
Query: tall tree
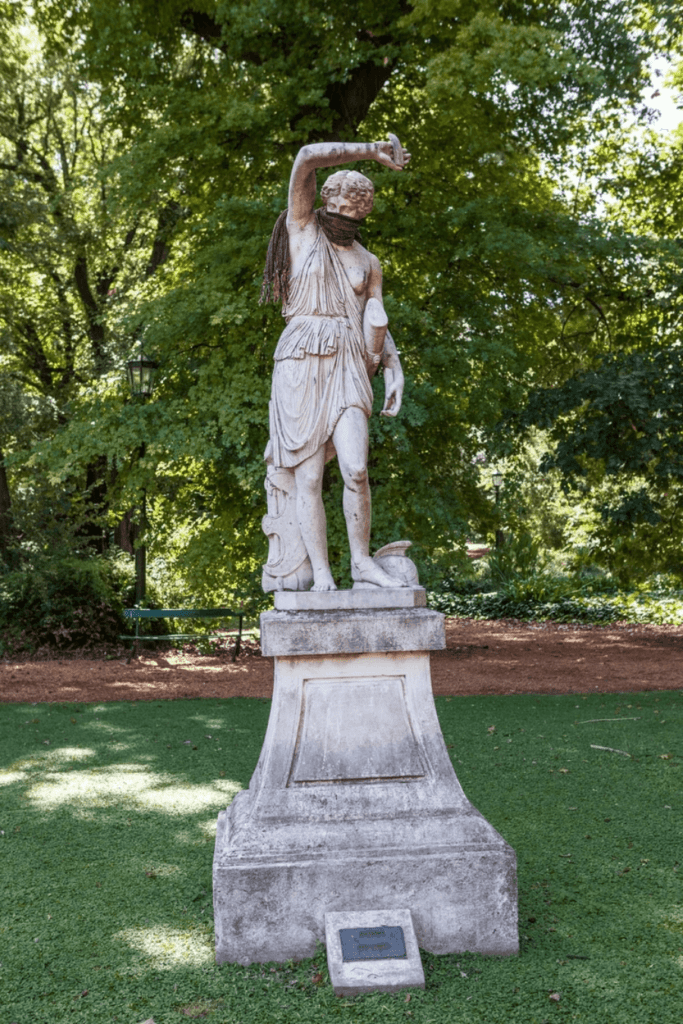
{"points": [[66, 257], [614, 419], [486, 250]]}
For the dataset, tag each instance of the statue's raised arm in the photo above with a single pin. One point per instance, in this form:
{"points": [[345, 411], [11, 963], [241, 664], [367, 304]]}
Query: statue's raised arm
{"points": [[302, 184], [336, 333]]}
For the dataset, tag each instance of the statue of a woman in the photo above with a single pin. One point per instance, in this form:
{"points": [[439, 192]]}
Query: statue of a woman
{"points": [[335, 335]]}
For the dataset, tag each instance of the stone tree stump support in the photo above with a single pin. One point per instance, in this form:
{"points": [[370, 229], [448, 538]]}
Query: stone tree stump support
{"points": [[354, 803]]}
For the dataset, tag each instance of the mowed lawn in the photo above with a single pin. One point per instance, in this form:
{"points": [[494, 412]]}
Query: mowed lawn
{"points": [[107, 820]]}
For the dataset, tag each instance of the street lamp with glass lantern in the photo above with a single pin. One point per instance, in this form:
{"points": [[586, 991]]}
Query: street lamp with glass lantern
{"points": [[497, 480], [141, 380], [141, 375]]}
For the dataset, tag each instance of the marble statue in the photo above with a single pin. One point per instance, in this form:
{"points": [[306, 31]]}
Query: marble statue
{"points": [[335, 337]]}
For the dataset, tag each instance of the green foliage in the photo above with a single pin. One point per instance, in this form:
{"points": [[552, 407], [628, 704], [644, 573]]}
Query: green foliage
{"points": [[592, 522], [520, 584], [626, 416], [612, 417], [62, 603], [519, 557], [144, 156], [629, 415], [107, 840]]}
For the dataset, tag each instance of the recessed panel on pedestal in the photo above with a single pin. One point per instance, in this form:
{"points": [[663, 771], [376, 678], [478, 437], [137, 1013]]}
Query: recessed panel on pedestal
{"points": [[355, 730]]}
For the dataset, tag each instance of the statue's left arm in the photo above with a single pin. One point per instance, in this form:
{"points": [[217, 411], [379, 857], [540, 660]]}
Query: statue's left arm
{"points": [[394, 380]]}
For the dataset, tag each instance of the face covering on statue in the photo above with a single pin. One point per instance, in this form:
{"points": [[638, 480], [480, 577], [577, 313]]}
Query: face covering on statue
{"points": [[340, 229]]}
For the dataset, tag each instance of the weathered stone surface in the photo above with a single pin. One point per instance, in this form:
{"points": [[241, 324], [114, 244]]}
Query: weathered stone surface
{"points": [[273, 909], [355, 804], [335, 337], [350, 600], [385, 975], [291, 634]]}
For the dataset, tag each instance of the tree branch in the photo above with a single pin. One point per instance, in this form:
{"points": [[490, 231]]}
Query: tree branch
{"points": [[39, 179], [350, 100], [68, 370], [106, 278], [92, 311], [29, 342], [169, 215]]}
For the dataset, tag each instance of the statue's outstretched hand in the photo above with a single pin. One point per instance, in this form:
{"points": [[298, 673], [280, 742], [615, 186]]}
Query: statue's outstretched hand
{"points": [[387, 154], [393, 395]]}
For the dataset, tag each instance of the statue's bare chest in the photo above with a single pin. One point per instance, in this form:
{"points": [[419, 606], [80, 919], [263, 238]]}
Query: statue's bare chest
{"points": [[356, 264], [307, 257]]}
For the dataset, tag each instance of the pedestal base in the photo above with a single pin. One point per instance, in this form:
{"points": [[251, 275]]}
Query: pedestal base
{"points": [[354, 804]]}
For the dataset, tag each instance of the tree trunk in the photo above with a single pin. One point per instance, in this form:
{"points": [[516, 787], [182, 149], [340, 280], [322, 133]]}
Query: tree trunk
{"points": [[5, 511], [125, 531], [125, 534], [93, 529]]}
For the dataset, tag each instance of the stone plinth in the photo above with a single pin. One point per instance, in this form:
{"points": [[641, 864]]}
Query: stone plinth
{"points": [[341, 632], [350, 600], [354, 803]]}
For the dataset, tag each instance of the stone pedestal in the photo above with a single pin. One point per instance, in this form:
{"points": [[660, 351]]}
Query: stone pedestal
{"points": [[354, 803]]}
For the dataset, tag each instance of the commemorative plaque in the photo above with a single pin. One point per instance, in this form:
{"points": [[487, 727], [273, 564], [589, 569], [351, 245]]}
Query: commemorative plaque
{"points": [[364, 956], [381, 942]]}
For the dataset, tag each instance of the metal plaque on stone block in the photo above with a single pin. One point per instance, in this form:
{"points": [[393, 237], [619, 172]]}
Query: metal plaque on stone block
{"points": [[364, 956], [378, 942]]}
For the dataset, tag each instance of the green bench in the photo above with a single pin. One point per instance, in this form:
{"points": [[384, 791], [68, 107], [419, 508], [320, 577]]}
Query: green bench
{"points": [[180, 613]]}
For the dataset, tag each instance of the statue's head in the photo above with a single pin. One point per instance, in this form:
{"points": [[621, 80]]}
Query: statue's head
{"points": [[348, 193]]}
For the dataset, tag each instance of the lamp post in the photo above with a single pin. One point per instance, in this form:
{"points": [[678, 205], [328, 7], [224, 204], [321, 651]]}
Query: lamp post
{"points": [[141, 380], [141, 375], [497, 480]]}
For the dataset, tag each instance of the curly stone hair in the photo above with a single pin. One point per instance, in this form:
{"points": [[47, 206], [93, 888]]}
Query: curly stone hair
{"points": [[352, 185]]}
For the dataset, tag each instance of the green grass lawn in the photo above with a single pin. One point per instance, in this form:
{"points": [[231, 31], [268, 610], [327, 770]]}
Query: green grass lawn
{"points": [[107, 821]]}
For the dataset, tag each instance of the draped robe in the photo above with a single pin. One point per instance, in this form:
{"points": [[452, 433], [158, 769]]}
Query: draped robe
{"points": [[320, 367]]}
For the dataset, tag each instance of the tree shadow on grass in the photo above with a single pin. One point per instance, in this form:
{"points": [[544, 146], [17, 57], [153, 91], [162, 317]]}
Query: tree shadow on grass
{"points": [[108, 842], [109, 816]]}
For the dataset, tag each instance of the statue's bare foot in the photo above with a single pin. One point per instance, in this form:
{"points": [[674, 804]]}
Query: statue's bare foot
{"points": [[324, 581], [368, 571]]}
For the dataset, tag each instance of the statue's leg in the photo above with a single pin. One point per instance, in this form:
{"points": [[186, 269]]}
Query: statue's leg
{"points": [[351, 442], [311, 515]]}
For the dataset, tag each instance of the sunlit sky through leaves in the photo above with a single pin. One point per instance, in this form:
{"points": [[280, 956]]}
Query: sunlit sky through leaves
{"points": [[670, 115]]}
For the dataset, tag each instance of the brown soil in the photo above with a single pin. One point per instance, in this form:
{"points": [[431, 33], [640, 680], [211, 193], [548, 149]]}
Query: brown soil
{"points": [[502, 657]]}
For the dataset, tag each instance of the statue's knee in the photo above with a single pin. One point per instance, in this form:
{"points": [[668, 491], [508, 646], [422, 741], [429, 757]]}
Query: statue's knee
{"points": [[356, 477], [308, 480]]}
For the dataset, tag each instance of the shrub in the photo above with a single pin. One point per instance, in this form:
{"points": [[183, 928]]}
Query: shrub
{"points": [[499, 605], [61, 602], [518, 581], [520, 557], [642, 606]]}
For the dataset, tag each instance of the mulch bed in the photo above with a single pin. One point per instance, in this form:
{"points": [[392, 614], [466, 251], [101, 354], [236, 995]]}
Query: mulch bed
{"points": [[491, 657]]}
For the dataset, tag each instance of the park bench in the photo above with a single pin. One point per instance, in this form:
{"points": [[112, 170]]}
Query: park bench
{"points": [[180, 613]]}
